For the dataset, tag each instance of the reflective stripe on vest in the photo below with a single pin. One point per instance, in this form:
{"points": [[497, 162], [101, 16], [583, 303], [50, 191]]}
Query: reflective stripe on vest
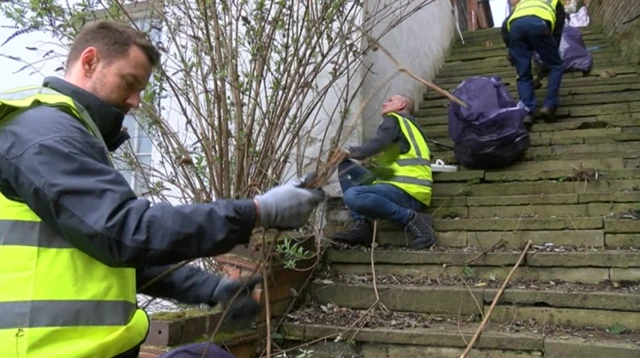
{"points": [[55, 300], [412, 170], [544, 9]]}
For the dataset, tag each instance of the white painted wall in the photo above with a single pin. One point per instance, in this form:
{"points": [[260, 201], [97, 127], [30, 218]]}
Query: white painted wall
{"points": [[420, 44]]}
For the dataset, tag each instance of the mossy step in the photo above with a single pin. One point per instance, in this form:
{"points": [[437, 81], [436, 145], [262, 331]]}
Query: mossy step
{"points": [[484, 239], [495, 32], [448, 300], [493, 42], [446, 340], [479, 59], [629, 150], [494, 60], [527, 208], [565, 101], [496, 38], [575, 309], [453, 80], [567, 95], [460, 258], [543, 187], [570, 135], [414, 342], [597, 43], [540, 199], [576, 269], [577, 83], [338, 213]]}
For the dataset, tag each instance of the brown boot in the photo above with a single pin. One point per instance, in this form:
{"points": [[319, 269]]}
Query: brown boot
{"points": [[360, 233]]}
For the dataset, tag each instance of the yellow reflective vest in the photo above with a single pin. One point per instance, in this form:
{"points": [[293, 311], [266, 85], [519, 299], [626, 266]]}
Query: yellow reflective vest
{"points": [[411, 170], [544, 9], [55, 300]]}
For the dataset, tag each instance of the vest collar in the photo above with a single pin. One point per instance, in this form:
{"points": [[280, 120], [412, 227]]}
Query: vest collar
{"points": [[107, 118]]}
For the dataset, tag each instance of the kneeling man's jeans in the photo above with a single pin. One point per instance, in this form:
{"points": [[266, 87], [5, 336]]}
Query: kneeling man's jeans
{"points": [[374, 201]]}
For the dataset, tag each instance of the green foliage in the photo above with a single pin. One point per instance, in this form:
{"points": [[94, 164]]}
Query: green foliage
{"points": [[290, 252]]}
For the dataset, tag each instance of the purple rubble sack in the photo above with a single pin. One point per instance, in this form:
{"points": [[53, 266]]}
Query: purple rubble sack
{"points": [[490, 133], [197, 350], [573, 51]]}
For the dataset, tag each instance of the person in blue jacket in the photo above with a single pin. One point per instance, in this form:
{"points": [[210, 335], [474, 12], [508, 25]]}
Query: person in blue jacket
{"points": [[56, 172]]}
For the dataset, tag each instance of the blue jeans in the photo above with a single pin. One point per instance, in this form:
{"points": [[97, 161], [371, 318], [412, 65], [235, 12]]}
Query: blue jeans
{"points": [[374, 201], [528, 34]]}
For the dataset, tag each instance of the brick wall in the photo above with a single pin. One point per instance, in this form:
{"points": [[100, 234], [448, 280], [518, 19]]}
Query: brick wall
{"points": [[610, 14]]}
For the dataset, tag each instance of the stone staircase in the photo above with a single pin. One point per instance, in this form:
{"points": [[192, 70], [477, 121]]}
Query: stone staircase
{"points": [[576, 196]]}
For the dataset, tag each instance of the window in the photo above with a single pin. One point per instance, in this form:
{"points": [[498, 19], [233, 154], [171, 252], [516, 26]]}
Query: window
{"points": [[141, 146]]}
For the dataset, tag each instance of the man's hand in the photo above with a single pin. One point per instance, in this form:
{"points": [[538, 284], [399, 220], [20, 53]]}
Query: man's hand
{"points": [[288, 206], [343, 150], [245, 306]]}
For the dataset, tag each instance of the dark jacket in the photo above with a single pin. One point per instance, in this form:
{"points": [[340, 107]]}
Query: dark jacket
{"points": [[52, 163], [557, 31], [388, 132]]}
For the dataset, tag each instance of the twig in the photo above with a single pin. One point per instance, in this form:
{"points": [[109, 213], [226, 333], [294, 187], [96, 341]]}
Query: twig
{"points": [[474, 299], [495, 301], [401, 68], [576, 229], [459, 312], [486, 251], [265, 287], [373, 268]]}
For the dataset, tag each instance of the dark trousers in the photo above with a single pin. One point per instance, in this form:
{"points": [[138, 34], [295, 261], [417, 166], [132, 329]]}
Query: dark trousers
{"points": [[528, 34], [374, 201]]}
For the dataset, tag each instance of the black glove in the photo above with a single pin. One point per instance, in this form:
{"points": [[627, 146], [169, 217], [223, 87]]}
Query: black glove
{"points": [[244, 308]]}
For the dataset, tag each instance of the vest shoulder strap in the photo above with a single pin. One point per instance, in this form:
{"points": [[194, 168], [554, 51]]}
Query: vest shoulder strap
{"points": [[31, 96]]}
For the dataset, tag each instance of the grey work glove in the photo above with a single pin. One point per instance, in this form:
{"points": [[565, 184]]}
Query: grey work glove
{"points": [[288, 206], [244, 308]]}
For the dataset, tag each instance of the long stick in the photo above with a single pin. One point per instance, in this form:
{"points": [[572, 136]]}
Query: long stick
{"points": [[495, 301], [402, 68]]}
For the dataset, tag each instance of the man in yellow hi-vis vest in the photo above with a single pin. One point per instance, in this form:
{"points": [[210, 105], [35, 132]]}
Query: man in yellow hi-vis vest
{"points": [[400, 186], [536, 25], [76, 244]]}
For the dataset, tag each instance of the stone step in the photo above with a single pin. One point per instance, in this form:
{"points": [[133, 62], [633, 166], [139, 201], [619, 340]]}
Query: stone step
{"points": [[583, 84], [564, 114], [612, 226], [608, 136], [509, 76], [594, 44], [543, 187], [494, 34], [410, 338], [565, 101], [568, 96], [588, 266], [452, 80], [491, 60], [513, 232], [629, 150], [495, 43], [472, 58]]}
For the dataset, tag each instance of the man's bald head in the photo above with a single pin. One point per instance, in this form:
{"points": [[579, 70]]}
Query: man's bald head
{"points": [[398, 103]]}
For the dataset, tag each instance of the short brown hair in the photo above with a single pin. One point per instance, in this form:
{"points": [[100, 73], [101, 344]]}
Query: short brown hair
{"points": [[113, 39]]}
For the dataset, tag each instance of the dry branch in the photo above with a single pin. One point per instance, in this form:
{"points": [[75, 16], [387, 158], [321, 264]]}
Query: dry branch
{"points": [[495, 301]]}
